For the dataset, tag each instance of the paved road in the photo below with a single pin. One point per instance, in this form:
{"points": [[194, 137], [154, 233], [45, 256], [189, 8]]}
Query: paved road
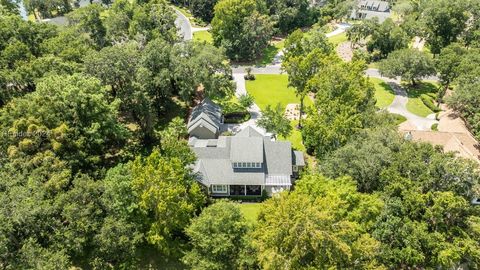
{"points": [[183, 25]]}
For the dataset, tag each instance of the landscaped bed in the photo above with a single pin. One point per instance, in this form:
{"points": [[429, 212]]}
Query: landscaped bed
{"points": [[425, 91]]}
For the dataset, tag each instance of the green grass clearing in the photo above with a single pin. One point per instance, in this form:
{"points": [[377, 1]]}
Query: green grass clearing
{"points": [[384, 94], [269, 89], [250, 211], [272, 89], [415, 104], [203, 36], [337, 39], [295, 137]]}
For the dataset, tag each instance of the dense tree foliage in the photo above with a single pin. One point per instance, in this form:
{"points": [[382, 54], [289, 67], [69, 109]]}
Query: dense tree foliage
{"points": [[242, 28], [409, 64], [203, 9], [96, 173], [273, 120], [290, 14], [217, 237], [465, 97], [344, 104], [305, 56], [438, 31], [323, 224]]}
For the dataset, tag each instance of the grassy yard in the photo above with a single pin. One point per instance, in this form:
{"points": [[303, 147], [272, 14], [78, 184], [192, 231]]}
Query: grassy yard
{"points": [[272, 89], [337, 39], [383, 93], [415, 104], [203, 36], [295, 137], [250, 211]]}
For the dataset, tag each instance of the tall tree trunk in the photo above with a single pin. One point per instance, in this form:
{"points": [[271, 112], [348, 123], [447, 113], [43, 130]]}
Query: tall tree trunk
{"points": [[302, 97]]}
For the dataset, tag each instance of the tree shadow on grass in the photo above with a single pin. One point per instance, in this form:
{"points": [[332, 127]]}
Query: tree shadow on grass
{"points": [[420, 89], [387, 87]]}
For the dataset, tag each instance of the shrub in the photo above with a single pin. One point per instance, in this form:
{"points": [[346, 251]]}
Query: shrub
{"points": [[236, 117], [249, 76], [435, 127], [428, 101], [246, 100]]}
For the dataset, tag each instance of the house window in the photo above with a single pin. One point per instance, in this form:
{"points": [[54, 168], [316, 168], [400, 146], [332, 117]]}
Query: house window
{"points": [[244, 165], [259, 165], [219, 188], [249, 165]]}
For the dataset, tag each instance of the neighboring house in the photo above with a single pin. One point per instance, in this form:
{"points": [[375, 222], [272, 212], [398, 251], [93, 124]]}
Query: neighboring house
{"points": [[245, 164], [205, 120], [369, 9]]}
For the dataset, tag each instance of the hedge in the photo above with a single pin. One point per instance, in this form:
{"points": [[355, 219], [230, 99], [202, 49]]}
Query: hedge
{"points": [[427, 100]]}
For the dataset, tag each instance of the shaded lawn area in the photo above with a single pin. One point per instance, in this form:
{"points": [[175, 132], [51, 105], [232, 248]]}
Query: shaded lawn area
{"points": [[337, 39], [384, 94], [295, 137], [270, 89], [250, 211], [270, 52], [203, 36], [415, 104]]}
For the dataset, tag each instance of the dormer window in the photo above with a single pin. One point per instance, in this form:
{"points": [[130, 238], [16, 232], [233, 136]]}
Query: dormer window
{"points": [[251, 165]]}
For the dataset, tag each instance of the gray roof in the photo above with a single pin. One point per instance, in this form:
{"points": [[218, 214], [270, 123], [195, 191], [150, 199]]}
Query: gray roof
{"points": [[278, 157], [381, 6], [298, 158], [249, 132], [215, 158], [246, 149], [208, 114]]}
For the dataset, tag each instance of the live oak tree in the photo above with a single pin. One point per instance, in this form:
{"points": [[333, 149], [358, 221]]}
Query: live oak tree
{"points": [[88, 20], [448, 61], [217, 237], [409, 64], [323, 224], [438, 31], [242, 28], [344, 104], [78, 124], [290, 15], [203, 9]]}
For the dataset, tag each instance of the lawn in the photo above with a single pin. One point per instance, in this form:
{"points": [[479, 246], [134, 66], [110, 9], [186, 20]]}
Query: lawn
{"points": [[270, 52], [273, 89], [295, 137], [415, 104], [337, 39], [383, 93], [250, 211], [270, 89], [203, 36]]}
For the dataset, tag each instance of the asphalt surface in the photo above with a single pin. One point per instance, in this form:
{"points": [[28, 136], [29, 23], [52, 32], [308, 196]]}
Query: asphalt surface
{"points": [[183, 25]]}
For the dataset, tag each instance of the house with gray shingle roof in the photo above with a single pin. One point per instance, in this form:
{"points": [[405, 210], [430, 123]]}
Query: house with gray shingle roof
{"points": [[367, 9], [205, 120], [245, 164]]}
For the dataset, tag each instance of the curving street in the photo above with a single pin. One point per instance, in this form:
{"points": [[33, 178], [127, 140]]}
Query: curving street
{"points": [[398, 106]]}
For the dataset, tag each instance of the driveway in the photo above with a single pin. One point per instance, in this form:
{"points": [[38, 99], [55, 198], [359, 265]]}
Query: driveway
{"points": [[183, 25]]}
